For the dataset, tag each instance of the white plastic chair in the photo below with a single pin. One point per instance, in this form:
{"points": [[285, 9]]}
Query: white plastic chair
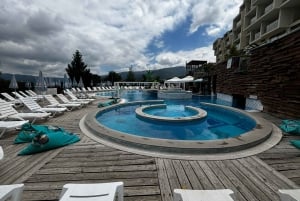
{"points": [[289, 194], [203, 195], [92, 192], [11, 192]]}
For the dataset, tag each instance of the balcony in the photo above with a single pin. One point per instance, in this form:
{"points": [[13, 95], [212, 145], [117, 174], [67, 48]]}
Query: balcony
{"points": [[273, 25], [256, 35], [268, 8], [252, 20]]}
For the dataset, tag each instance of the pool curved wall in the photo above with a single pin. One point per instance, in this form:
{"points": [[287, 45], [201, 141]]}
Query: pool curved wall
{"points": [[259, 134]]}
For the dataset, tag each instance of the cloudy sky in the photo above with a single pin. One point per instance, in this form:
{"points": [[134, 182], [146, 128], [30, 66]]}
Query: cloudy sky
{"points": [[112, 35]]}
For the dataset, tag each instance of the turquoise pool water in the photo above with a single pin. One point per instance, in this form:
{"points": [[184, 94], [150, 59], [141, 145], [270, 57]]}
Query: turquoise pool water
{"points": [[220, 123], [174, 111]]}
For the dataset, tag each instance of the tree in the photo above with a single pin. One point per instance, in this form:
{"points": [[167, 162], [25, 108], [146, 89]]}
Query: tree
{"points": [[96, 79], [113, 77], [130, 75], [78, 69]]}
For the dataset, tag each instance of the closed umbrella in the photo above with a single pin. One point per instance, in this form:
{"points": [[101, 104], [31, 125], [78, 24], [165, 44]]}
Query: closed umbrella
{"points": [[80, 84], [75, 84], [13, 83], [41, 85], [28, 84], [66, 84]]}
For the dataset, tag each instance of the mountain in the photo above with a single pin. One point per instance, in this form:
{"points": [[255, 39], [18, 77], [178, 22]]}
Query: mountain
{"points": [[22, 78], [164, 73]]}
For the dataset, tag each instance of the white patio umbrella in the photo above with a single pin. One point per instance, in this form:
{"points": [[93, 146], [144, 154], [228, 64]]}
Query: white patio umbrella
{"points": [[66, 82], [74, 83], [187, 79], [28, 84], [80, 83], [13, 83], [41, 85]]}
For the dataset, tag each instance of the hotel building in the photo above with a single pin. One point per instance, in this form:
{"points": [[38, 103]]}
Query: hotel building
{"points": [[259, 22]]}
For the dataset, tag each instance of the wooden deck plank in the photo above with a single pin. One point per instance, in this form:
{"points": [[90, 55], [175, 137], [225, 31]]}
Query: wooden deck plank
{"points": [[217, 184], [257, 191], [191, 175], [241, 192], [182, 177], [172, 176], [165, 187], [205, 182]]}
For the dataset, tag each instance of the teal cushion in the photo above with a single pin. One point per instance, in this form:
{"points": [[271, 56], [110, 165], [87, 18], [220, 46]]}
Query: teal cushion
{"points": [[29, 131], [106, 103], [291, 126], [296, 143], [56, 139]]}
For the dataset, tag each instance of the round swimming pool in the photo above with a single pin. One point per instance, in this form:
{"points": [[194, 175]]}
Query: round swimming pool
{"points": [[225, 133], [220, 123], [118, 126]]}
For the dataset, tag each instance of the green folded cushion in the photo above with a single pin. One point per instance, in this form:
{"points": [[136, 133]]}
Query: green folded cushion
{"points": [[290, 126], [106, 103], [296, 143], [29, 131], [55, 140]]}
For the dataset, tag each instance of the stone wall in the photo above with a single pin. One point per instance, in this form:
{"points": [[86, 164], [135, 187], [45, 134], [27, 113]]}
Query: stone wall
{"points": [[272, 75]]}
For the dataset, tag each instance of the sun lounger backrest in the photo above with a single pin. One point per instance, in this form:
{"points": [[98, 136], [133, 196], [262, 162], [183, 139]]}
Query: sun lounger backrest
{"points": [[51, 99], [33, 93], [62, 98], [7, 96], [6, 109], [31, 104], [73, 97], [17, 95], [23, 94]]}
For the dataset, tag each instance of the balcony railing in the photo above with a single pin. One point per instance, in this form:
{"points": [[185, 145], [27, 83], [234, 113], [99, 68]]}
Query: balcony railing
{"points": [[268, 8], [253, 19], [256, 35], [238, 23], [271, 26]]}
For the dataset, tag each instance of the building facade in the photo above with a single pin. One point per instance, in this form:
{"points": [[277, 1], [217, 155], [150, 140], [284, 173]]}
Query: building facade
{"points": [[259, 22]]}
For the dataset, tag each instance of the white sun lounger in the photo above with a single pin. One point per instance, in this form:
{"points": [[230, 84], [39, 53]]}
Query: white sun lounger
{"points": [[5, 125], [92, 192], [289, 194], [33, 94], [9, 112], [203, 195], [11, 99], [54, 103], [34, 107], [12, 191], [64, 99], [74, 98]]}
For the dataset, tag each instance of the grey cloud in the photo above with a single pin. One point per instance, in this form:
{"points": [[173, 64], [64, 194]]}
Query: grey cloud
{"points": [[44, 23]]}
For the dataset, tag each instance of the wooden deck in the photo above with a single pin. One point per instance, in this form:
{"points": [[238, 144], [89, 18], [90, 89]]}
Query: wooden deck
{"points": [[145, 178]]}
